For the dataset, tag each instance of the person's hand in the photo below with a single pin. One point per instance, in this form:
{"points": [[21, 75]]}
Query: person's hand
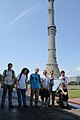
{"points": [[13, 85], [65, 93], [16, 88], [2, 84]]}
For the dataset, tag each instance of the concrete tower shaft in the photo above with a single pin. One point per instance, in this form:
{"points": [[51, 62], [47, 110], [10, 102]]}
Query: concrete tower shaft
{"points": [[52, 63]]}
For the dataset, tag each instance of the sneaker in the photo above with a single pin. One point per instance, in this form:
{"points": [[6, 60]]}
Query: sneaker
{"points": [[43, 106], [11, 106], [46, 106]]}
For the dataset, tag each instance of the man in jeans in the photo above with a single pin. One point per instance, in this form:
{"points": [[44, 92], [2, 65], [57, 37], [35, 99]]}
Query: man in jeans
{"points": [[52, 93], [45, 83], [35, 85], [8, 80]]}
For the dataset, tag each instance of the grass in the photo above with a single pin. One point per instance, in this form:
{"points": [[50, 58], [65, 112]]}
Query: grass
{"points": [[74, 93]]}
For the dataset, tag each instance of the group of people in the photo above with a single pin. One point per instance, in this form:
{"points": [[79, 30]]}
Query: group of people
{"points": [[40, 86]]}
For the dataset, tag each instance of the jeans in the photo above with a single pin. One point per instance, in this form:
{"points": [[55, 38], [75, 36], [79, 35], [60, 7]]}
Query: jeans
{"points": [[21, 96], [53, 98], [10, 90], [45, 94]]}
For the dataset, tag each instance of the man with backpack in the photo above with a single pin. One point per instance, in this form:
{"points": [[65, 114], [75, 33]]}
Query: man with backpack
{"points": [[8, 80]]}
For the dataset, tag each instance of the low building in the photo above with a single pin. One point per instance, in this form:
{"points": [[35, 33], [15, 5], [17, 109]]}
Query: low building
{"points": [[75, 78]]}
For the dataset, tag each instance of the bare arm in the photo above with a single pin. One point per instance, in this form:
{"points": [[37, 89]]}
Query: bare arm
{"points": [[65, 93], [2, 81], [16, 84]]}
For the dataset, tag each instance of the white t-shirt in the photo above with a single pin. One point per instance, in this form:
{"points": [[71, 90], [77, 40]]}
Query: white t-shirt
{"points": [[22, 82], [8, 80], [45, 82], [64, 79]]}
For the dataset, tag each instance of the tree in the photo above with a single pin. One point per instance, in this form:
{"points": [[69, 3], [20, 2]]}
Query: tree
{"points": [[73, 83]]}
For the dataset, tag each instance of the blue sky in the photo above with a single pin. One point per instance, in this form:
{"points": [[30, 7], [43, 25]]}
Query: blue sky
{"points": [[24, 37]]}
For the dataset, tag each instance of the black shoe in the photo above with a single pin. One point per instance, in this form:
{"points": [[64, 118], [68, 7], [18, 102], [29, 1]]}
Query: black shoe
{"points": [[11, 106], [2, 106], [49, 106], [36, 106], [25, 106], [19, 106], [31, 105]]}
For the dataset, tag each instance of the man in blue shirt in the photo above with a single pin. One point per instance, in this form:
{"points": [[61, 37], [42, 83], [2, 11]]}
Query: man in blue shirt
{"points": [[35, 86]]}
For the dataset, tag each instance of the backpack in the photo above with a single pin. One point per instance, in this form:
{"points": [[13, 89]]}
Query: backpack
{"points": [[13, 74], [20, 78]]}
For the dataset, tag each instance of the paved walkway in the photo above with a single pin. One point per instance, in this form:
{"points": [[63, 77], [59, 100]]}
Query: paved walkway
{"points": [[55, 113]]}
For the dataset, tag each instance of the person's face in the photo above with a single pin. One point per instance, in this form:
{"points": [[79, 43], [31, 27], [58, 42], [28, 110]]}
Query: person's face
{"points": [[63, 74], [52, 72], [36, 70], [9, 67], [25, 71], [45, 72]]}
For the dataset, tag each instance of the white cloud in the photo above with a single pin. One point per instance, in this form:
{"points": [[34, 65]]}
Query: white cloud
{"points": [[71, 72], [78, 69], [19, 17], [68, 73]]}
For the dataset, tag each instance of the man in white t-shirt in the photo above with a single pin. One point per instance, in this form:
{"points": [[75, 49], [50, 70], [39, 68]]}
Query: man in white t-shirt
{"points": [[63, 92], [52, 93], [8, 80], [45, 83], [64, 78]]}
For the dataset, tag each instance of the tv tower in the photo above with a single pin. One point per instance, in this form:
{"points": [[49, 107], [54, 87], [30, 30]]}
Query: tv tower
{"points": [[52, 63]]}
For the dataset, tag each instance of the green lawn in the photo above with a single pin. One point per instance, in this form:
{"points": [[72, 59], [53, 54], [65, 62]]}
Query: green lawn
{"points": [[74, 93]]}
